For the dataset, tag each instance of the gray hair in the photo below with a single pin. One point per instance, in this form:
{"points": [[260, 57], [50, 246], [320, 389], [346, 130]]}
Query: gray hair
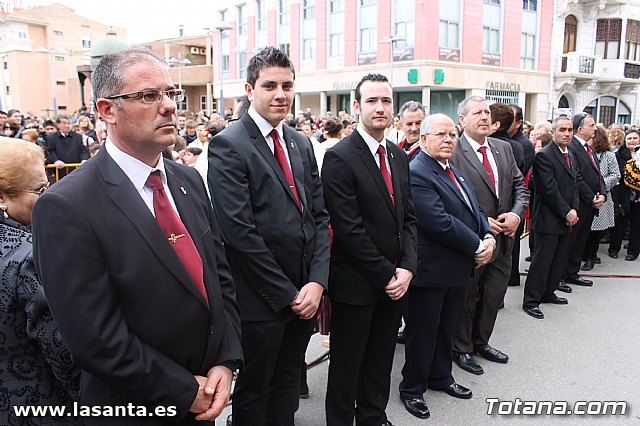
{"points": [[108, 78], [463, 107], [425, 129], [554, 123], [411, 106]]}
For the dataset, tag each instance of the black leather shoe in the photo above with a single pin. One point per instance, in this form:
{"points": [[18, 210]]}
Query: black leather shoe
{"points": [[579, 281], [555, 300], [457, 391], [597, 260], [492, 354], [230, 420], [533, 311], [527, 259], [416, 407], [386, 423], [613, 254], [468, 363], [588, 265], [563, 287], [631, 257]]}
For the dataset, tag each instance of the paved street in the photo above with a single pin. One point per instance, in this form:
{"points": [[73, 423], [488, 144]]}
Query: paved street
{"points": [[588, 350]]}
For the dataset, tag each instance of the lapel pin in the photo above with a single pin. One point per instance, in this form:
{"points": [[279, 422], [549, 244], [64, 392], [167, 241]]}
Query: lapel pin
{"points": [[184, 191], [292, 145], [461, 179], [392, 155]]}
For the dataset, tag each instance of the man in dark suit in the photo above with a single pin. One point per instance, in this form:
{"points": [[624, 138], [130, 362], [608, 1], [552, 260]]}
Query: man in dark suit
{"points": [[453, 237], [66, 146], [373, 258], [490, 168], [145, 304], [557, 178], [592, 194], [267, 196], [411, 114]]}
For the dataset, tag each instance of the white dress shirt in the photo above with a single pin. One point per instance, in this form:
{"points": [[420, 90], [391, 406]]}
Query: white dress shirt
{"points": [[373, 146]]}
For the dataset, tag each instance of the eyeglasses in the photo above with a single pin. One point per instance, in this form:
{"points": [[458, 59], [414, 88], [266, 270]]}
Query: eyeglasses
{"points": [[443, 134], [152, 96], [38, 192]]}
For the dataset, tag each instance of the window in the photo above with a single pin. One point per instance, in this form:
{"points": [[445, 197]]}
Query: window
{"points": [[61, 83], [62, 107], [283, 10], [449, 24], [261, 14], [242, 20], [570, 32], [225, 64], [6, 65], [608, 32], [308, 48], [368, 27], [203, 102], [336, 28], [22, 35], [59, 58], [182, 106], [404, 27], [57, 33], [491, 27], [503, 96], [284, 47], [242, 64], [8, 91], [633, 40], [86, 42], [308, 9], [496, 2], [531, 5], [528, 51]]}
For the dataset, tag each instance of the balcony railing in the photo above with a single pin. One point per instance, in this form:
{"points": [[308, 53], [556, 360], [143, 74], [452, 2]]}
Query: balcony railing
{"points": [[631, 70]]}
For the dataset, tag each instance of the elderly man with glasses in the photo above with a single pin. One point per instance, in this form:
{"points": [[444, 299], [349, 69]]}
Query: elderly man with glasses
{"points": [[131, 260]]}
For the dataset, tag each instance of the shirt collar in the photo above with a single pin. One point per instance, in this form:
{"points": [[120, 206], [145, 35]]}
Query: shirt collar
{"points": [[370, 141], [475, 145], [582, 141], [137, 171], [566, 151], [263, 125], [441, 164]]}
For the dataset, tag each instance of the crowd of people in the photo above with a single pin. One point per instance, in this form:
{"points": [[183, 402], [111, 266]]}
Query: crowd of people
{"points": [[163, 282]]}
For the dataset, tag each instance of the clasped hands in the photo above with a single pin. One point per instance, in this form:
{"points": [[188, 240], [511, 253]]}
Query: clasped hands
{"points": [[305, 305], [506, 223], [399, 283], [484, 256], [213, 393]]}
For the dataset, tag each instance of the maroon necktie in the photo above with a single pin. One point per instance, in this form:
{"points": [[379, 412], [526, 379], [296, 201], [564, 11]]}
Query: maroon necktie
{"points": [[385, 172], [176, 232], [593, 160], [281, 158], [453, 177], [487, 166], [566, 157]]}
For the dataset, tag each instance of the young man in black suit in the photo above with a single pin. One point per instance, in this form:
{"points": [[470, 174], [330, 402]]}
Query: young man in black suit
{"points": [[373, 259], [454, 237], [131, 260], [557, 178], [267, 195], [66, 146]]}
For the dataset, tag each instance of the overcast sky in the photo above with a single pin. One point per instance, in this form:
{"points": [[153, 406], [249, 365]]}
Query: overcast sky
{"points": [[146, 20]]}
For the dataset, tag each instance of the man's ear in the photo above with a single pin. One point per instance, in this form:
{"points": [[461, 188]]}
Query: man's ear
{"points": [[249, 90], [107, 109]]}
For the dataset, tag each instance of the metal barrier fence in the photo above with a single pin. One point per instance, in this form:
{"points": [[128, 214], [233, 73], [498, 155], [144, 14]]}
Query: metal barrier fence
{"points": [[54, 173]]}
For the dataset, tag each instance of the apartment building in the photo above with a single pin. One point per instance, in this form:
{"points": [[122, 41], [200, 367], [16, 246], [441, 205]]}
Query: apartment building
{"points": [[434, 51], [596, 59], [46, 58]]}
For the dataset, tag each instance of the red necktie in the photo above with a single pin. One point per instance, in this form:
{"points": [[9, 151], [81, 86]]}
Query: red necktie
{"points": [[281, 158], [386, 176], [487, 166], [593, 160], [453, 177], [176, 232], [566, 157]]}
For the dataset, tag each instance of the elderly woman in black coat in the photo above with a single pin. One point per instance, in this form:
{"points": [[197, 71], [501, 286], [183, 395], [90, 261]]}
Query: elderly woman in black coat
{"points": [[35, 366]]}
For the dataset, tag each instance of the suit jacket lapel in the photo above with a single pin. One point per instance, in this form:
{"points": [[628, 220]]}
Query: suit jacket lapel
{"points": [[127, 199], [472, 158], [501, 163], [559, 156], [372, 167], [393, 160], [296, 165], [444, 177], [263, 148]]}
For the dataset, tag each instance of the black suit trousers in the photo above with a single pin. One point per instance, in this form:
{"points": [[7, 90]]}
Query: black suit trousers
{"points": [[578, 240], [515, 256], [267, 389], [432, 315], [363, 340], [547, 265]]}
